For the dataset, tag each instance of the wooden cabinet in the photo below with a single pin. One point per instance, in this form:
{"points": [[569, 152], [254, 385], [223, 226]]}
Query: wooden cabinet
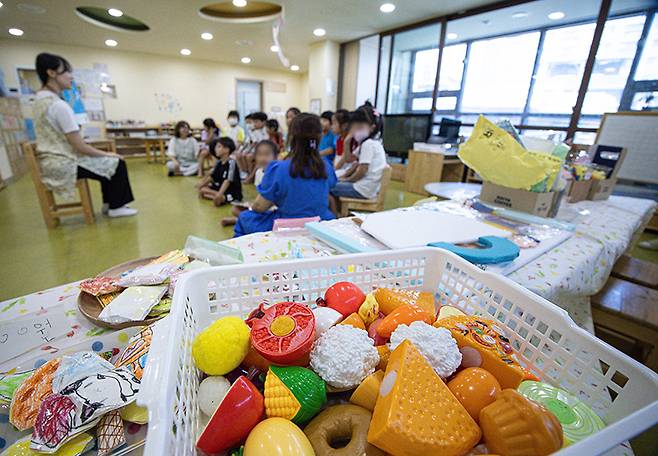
{"points": [[425, 167]]}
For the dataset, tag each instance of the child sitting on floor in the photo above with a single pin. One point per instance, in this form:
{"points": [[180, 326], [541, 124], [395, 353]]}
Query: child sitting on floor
{"points": [[266, 152], [223, 184], [273, 132], [183, 151], [234, 130], [328, 140], [298, 186]]}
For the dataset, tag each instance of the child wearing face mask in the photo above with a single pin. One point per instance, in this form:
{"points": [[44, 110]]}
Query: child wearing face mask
{"points": [[363, 179], [234, 130]]}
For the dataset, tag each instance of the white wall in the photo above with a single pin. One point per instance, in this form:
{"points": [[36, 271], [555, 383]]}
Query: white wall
{"points": [[203, 88], [323, 73]]}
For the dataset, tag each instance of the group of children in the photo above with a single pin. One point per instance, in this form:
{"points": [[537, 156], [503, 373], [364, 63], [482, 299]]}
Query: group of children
{"points": [[322, 159]]}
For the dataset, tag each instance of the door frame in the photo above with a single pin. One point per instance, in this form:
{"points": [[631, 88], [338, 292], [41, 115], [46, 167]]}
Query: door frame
{"points": [[262, 90]]}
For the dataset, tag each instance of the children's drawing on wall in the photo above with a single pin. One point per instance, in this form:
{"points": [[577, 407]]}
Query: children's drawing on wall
{"points": [[167, 103]]}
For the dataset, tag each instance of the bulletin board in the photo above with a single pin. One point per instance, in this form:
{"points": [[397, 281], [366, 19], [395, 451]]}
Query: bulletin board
{"points": [[638, 133]]}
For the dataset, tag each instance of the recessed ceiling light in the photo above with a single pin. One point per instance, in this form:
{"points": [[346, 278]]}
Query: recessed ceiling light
{"points": [[111, 43], [207, 36], [556, 15], [1, 4], [274, 48], [452, 36], [240, 3], [319, 32], [387, 8], [115, 12], [185, 51], [15, 32], [245, 60], [294, 67], [519, 15]]}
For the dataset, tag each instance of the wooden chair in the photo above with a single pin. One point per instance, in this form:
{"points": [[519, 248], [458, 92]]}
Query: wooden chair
{"points": [[50, 209], [626, 316], [371, 205]]}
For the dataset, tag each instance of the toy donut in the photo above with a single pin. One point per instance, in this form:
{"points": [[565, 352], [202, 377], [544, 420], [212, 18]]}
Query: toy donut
{"points": [[337, 425]]}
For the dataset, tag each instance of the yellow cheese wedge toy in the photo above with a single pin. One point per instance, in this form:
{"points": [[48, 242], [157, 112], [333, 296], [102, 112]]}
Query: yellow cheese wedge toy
{"points": [[368, 391], [416, 414]]}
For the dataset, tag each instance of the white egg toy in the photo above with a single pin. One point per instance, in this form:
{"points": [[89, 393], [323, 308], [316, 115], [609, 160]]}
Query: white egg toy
{"points": [[211, 392]]}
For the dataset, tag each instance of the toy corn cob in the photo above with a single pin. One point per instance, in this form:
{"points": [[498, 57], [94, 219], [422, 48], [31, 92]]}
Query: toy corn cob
{"points": [[293, 393]]}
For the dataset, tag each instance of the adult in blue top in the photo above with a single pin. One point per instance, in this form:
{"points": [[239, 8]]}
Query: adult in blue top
{"points": [[328, 141], [298, 186]]}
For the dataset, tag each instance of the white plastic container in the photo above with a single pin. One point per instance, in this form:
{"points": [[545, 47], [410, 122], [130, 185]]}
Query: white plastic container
{"points": [[622, 391]]}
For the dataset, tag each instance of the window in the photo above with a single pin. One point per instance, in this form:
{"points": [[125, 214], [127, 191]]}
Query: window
{"points": [[499, 72], [384, 67], [647, 68], [645, 101], [424, 70], [446, 103], [561, 68], [612, 67], [413, 70], [452, 67]]}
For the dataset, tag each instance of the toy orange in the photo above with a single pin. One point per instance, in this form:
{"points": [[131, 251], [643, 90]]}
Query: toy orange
{"points": [[391, 298], [474, 388], [28, 396], [515, 426], [284, 332]]}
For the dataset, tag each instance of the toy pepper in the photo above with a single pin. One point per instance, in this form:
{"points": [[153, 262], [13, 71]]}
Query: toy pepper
{"points": [[284, 332], [237, 414], [293, 393]]}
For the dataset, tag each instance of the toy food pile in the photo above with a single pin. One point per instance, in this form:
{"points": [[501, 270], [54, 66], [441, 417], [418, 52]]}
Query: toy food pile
{"points": [[80, 401], [419, 381]]}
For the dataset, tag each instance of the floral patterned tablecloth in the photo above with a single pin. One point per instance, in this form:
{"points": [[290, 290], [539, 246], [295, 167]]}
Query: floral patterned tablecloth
{"points": [[566, 275]]}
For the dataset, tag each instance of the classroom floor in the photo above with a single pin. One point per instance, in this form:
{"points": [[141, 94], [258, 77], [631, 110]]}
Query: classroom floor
{"points": [[34, 258]]}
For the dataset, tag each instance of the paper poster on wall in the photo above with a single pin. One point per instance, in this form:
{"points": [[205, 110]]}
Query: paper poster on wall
{"points": [[167, 103], [315, 106], [73, 97], [330, 87]]}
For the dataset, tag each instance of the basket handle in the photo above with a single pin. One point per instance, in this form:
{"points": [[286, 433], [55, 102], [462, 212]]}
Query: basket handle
{"points": [[149, 391]]}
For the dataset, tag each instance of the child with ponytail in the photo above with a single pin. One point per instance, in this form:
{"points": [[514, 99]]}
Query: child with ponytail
{"points": [[298, 186]]}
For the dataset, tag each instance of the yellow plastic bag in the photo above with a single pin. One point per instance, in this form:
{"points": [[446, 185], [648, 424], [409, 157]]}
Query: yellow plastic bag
{"points": [[498, 158]]}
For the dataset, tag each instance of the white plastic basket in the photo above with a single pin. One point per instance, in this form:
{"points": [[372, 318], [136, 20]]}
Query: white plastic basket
{"points": [[623, 392]]}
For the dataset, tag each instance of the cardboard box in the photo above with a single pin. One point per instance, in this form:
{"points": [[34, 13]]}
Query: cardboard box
{"points": [[540, 204], [601, 189], [579, 190]]}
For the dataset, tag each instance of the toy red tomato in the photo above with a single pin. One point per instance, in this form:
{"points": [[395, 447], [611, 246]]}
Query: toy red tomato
{"points": [[237, 414], [284, 333], [345, 297]]}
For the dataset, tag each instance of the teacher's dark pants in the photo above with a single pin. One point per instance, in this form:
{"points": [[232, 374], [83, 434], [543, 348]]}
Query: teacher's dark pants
{"points": [[116, 191]]}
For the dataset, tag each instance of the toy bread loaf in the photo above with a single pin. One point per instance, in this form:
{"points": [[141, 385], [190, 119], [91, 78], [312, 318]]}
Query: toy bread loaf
{"points": [[515, 426], [416, 413]]}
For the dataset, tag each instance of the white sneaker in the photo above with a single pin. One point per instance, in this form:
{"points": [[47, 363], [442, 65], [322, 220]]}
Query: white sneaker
{"points": [[123, 211], [105, 209]]}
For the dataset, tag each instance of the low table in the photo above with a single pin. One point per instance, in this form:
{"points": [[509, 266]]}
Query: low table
{"points": [[457, 191]]}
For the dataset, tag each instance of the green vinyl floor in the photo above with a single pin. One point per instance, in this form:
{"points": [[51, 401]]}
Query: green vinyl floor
{"points": [[33, 258]]}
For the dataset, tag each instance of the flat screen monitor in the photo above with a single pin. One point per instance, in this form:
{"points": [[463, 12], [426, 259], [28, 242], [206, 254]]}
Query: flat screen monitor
{"points": [[402, 130]]}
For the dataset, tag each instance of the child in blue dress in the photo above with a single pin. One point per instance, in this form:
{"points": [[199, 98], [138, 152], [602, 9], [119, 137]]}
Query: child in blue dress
{"points": [[299, 185]]}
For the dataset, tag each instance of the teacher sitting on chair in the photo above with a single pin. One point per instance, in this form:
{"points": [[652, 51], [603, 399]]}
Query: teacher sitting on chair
{"points": [[63, 155]]}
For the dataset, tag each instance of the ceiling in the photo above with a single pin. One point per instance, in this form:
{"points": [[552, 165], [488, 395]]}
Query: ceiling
{"points": [[176, 24]]}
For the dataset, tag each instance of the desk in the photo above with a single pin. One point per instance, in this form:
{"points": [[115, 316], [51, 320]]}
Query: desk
{"points": [[425, 167], [567, 276], [106, 144], [457, 191], [153, 142]]}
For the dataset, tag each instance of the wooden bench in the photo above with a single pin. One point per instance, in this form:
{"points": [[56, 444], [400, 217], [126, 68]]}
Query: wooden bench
{"points": [[626, 316], [373, 205], [50, 209], [637, 271]]}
